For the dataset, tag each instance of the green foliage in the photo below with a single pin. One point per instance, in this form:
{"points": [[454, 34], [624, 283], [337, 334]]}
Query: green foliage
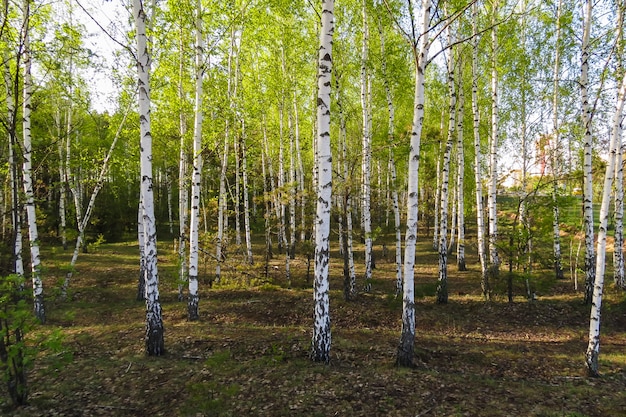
{"points": [[93, 247], [16, 354], [16, 320]]}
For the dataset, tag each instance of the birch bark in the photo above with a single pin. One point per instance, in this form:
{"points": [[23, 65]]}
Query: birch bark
{"points": [[494, 260], [154, 322], [27, 179], [196, 176], [480, 210], [593, 348], [590, 264], [366, 151], [406, 347], [321, 330]]}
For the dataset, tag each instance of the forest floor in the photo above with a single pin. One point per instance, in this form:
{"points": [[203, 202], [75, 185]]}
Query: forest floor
{"points": [[248, 353]]}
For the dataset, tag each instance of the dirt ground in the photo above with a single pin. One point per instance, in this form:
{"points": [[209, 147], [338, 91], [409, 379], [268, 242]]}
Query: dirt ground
{"points": [[249, 352]]}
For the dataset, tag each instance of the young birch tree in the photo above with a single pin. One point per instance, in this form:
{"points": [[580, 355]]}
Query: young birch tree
{"points": [[321, 329], [556, 233], [593, 348], [442, 284], [366, 150], [196, 177], [406, 347], [27, 150], [494, 261], [154, 323], [587, 112]]}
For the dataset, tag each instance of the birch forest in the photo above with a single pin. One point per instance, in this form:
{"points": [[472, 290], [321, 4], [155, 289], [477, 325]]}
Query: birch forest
{"points": [[312, 207]]}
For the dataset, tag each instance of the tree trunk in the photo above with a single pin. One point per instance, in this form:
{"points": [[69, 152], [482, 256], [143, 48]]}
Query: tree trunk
{"points": [[246, 198], [556, 233], [392, 165], [154, 322], [29, 194], [590, 264], [480, 210], [406, 346], [442, 284], [366, 151], [460, 180], [183, 194], [593, 348], [321, 330], [196, 176], [494, 260]]}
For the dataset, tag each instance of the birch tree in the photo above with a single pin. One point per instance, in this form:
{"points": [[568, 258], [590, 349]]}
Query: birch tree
{"points": [[442, 283], [154, 323], [27, 176], [321, 329], [196, 178], [406, 346], [480, 220], [587, 112], [366, 150], [593, 347], [494, 261], [556, 233]]}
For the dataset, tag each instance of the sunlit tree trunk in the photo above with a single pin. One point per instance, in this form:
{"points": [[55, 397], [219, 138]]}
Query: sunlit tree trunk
{"points": [[29, 194], [494, 260], [183, 194], [593, 348], [480, 210], [442, 283], [556, 233], [11, 124], [222, 216], [62, 194], [345, 205], [590, 264], [141, 239], [366, 151], [460, 181], [618, 247], [406, 347], [393, 186], [300, 176], [154, 322], [321, 330], [196, 176]]}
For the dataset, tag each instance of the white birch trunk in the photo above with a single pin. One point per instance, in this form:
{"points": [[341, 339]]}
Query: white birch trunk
{"points": [[154, 322], [494, 260], [480, 210], [321, 329], [618, 247], [300, 176], [196, 176], [345, 206], [246, 198], [366, 152], [460, 181], [141, 239], [406, 346], [27, 179], [442, 283], [556, 233], [16, 217], [62, 195], [593, 348], [222, 217], [590, 264], [183, 194], [393, 185]]}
